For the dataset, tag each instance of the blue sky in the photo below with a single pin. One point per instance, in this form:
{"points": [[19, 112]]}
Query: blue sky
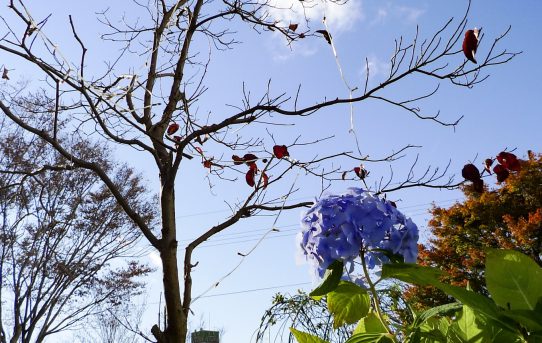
{"points": [[503, 112]]}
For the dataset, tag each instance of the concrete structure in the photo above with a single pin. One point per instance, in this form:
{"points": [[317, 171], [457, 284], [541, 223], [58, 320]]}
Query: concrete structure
{"points": [[205, 336]]}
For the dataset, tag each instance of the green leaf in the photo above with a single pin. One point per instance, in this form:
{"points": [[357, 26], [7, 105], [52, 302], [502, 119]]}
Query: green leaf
{"points": [[394, 258], [303, 337], [435, 311], [370, 323], [348, 303], [431, 331], [371, 338], [535, 338], [331, 280], [466, 328], [412, 273], [531, 320], [476, 302], [513, 279], [424, 276]]}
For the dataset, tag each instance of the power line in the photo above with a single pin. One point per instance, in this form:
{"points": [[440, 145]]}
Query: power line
{"points": [[197, 214], [251, 290], [256, 290], [242, 235]]}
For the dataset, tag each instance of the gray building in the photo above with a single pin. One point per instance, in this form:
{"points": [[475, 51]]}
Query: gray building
{"points": [[205, 336]]}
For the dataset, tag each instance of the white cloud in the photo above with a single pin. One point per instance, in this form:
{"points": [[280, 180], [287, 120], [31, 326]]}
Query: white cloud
{"points": [[377, 68], [410, 14], [339, 17], [155, 259], [405, 14], [308, 14]]}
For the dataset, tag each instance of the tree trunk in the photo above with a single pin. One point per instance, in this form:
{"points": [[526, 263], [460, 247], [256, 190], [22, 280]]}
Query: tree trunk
{"points": [[176, 330]]}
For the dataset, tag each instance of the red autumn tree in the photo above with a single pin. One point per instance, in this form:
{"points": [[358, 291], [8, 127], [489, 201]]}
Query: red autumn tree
{"points": [[509, 217]]}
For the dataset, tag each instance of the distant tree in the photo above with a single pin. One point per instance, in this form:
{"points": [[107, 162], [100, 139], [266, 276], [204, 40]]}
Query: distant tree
{"points": [[509, 217], [118, 324], [63, 237], [151, 97]]}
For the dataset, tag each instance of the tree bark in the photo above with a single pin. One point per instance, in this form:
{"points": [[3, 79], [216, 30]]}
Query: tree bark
{"points": [[176, 330]]}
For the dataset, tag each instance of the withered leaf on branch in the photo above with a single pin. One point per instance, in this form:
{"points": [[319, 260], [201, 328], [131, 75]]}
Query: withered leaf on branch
{"points": [[249, 177], [237, 160], [250, 159], [280, 151], [509, 161], [5, 74], [326, 35], [501, 172], [470, 172], [172, 128]]}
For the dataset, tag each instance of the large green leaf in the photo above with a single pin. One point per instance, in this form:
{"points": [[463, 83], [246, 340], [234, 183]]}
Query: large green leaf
{"points": [[514, 280], [331, 280], [303, 337], [424, 276], [531, 320], [535, 338], [412, 273], [348, 303], [432, 330], [477, 302], [371, 338], [435, 311], [370, 323], [466, 329]]}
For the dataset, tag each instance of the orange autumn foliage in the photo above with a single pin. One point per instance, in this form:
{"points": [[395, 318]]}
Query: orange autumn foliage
{"points": [[509, 216]]}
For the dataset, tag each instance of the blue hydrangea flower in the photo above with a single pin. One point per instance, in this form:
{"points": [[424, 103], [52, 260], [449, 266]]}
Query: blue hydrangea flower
{"points": [[341, 227]]}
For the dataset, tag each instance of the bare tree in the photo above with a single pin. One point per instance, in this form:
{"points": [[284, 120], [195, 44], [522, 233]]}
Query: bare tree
{"points": [[118, 324], [63, 238], [144, 109]]}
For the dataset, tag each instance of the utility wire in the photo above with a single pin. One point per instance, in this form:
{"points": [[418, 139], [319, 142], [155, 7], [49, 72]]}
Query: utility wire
{"points": [[245, 237], [197, 214], [246, 291]]}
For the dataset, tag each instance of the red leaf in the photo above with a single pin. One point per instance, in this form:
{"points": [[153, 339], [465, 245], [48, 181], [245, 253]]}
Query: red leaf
{"points": [[361, 172], [207, 164], [249, 177], [470, 44], [280, 151], [470, 172], [265, 180], [487, 164], [172, 128], [293, 27], [509, 161], [326, 35], [237, 160], [250, 159], [502, 172], [177, 138]]}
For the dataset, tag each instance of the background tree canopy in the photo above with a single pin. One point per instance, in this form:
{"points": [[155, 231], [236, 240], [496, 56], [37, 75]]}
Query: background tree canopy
{"points": [[508, 216]]}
